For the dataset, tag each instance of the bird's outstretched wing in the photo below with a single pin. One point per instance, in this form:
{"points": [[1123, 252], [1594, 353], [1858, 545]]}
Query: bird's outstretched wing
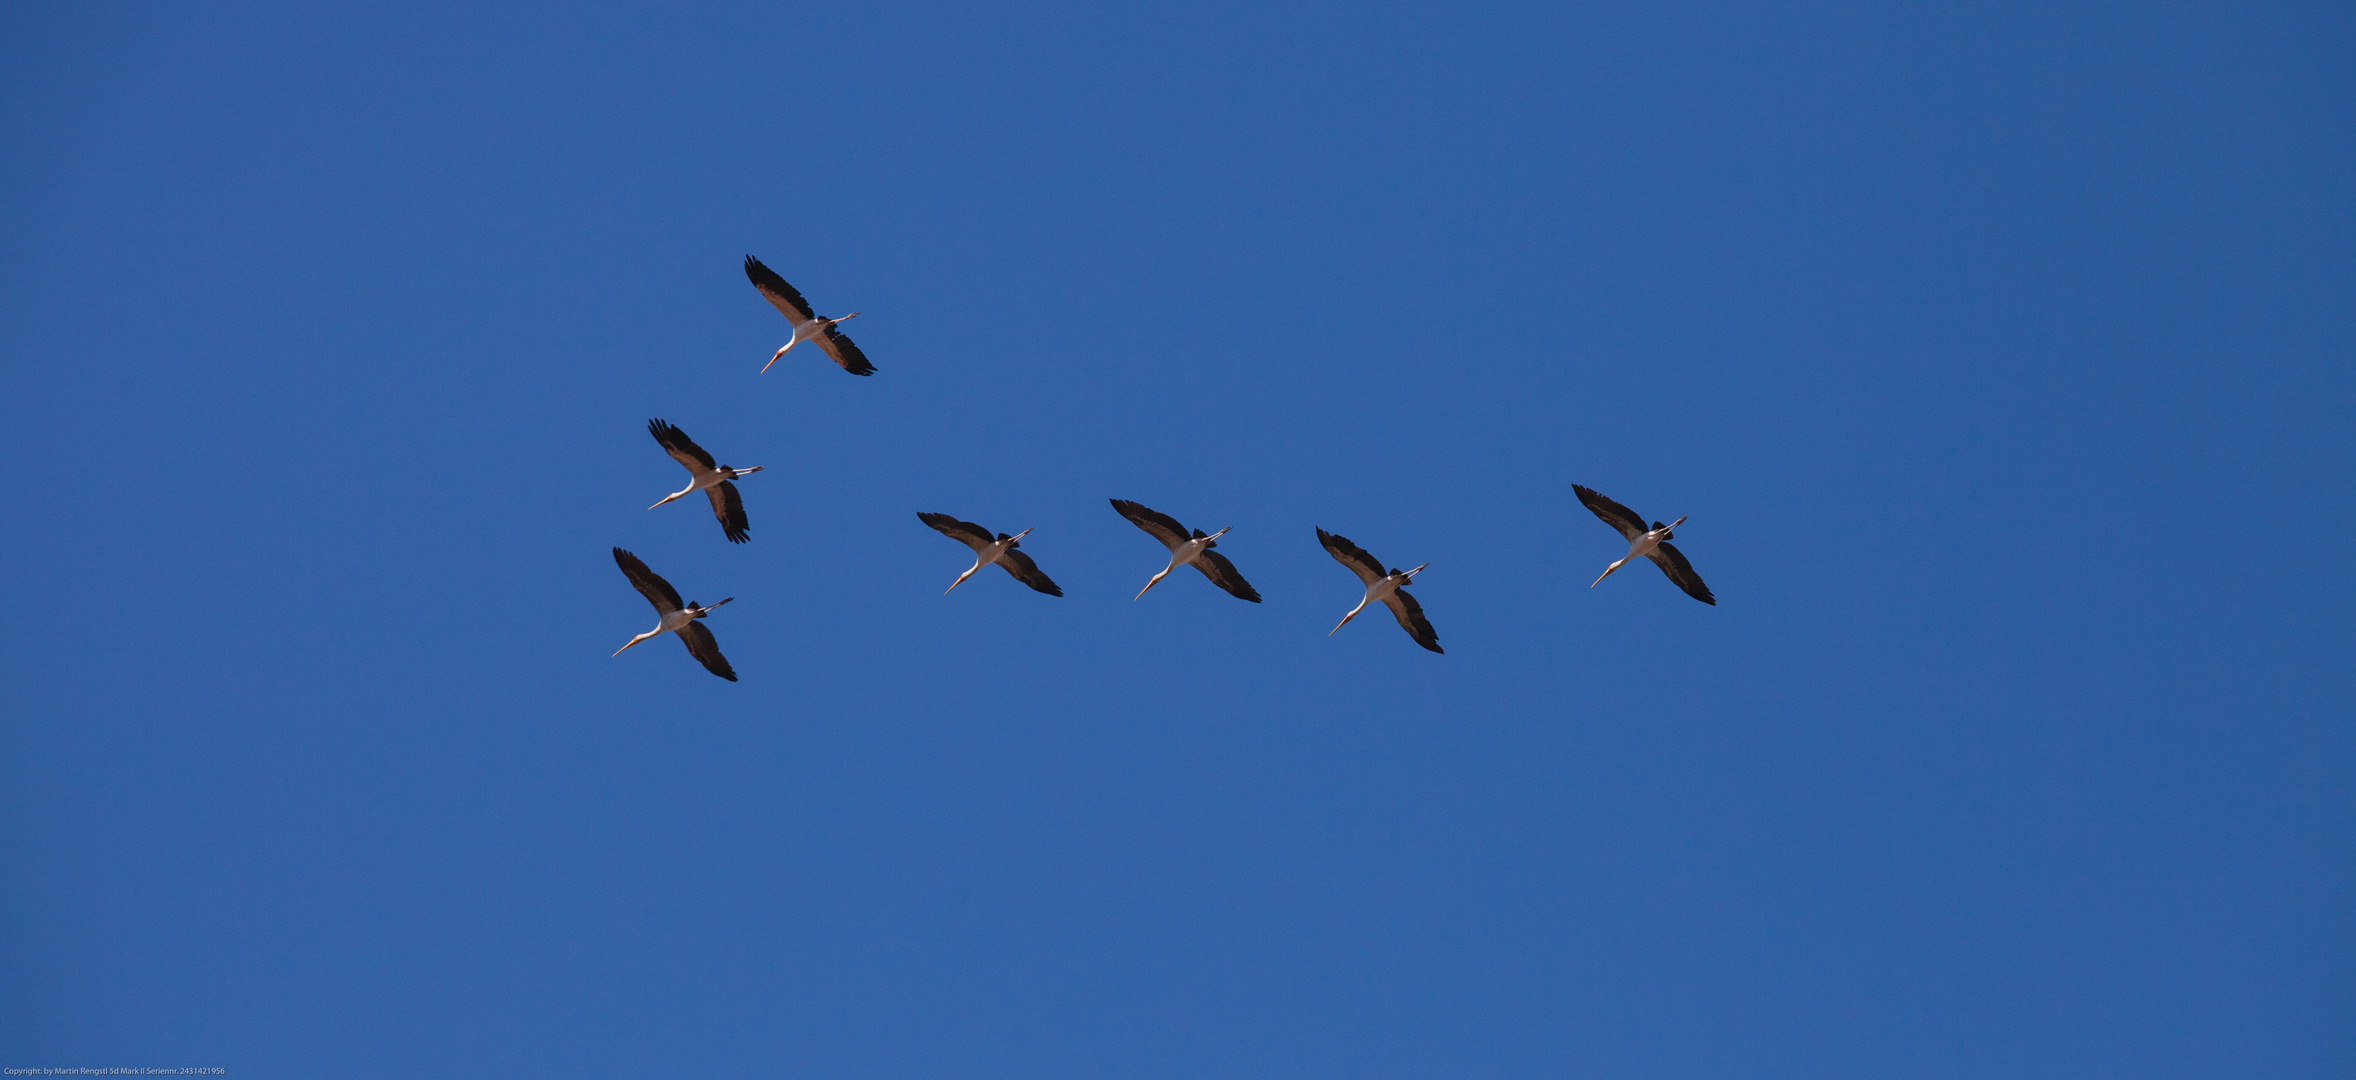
{"points": [[706, 651], [788, 301], [1368, 568], [964, 532], [1163, 527], [649, 584], [1672, 562], [1410, 615], [1629, 522], [1222, 573], [728, 506], [681, 448], [838, 345], [1027, 572]]}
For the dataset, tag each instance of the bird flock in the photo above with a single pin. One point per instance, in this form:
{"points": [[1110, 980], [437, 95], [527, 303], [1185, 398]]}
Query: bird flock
{"points": [[1188, 547]]}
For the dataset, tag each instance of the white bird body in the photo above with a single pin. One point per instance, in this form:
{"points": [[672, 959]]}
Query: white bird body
{"points": [[1645, 543], [1377, 592], [987, 555], [1187, 549], [1643, 546], [706, 475], [712, 479], [807, 323], [1182, 555], [674, 616], [991, 548], [672, 622], [1385, 587], [804, 332]]}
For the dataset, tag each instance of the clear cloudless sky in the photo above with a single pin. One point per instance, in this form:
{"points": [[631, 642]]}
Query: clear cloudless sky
{"points": [[1999, 354]]}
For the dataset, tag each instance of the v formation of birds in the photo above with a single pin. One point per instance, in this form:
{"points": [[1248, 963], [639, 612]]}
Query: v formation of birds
{"points": [[1188, 547]]}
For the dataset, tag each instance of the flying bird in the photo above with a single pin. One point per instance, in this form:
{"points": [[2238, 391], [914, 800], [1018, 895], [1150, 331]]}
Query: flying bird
{"points": [[991, 548], [1652, 543], [712, 480], [1388, 587], [1187, 548], [676, 617], [807, 325]]}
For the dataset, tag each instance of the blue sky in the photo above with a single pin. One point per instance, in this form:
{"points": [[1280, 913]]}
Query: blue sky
{"points": [[1999, 354]]}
